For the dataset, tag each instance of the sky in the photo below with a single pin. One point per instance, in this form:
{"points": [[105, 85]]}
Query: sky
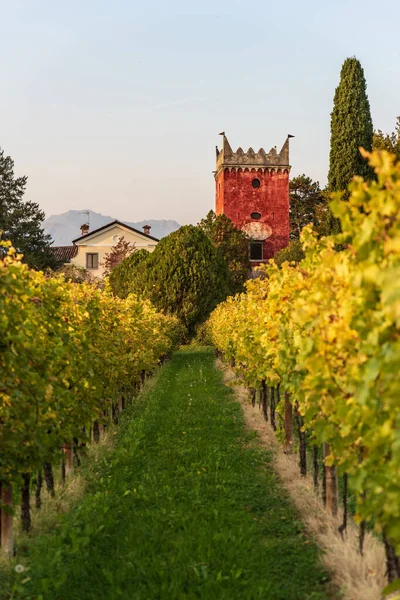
{"points": [[116, 105]]}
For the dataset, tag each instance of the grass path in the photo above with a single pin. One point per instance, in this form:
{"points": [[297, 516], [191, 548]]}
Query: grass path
{"points": [[186, 506]]}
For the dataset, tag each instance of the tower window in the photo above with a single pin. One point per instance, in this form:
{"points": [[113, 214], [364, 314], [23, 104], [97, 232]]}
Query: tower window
{"points": [[256, 183], [255, 215], [256, 250]]}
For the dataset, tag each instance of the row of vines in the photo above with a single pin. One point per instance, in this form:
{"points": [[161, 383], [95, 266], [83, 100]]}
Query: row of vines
{"points": [[71, 355], [326, 333]]}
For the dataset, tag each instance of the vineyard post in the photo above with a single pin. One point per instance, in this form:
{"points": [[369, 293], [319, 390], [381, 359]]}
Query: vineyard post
{"points": [[272, 408], [302, 441], [96, 432], [26, 503], [392, 561], [7, 521], [316, 466], [49, 479], [331, 484], [265, 399], [288, 425], [69, 459], [39, 484], [343, 526]]}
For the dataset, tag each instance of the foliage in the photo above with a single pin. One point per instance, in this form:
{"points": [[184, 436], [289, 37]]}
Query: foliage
{"points": [[233, 245], [292, 253], [328, 331], [21, 221], [305, 198], [119, 252], [202, 335], [186, 506], [122, 277], [74, 274], [351, 128], [184, 276], [67, 352], [388, 141]]}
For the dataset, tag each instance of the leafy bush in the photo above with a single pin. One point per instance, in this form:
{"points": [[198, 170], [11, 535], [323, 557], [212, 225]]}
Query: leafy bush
{"points": [[122, 277], [233, 245], [185, 276], [292, 253]]}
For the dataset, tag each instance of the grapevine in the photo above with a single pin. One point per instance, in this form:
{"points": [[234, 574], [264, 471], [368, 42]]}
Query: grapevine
{"points": [[328, 331]]}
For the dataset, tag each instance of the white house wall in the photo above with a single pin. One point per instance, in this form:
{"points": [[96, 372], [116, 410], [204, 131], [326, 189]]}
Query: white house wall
{"points": [[102, 242]]}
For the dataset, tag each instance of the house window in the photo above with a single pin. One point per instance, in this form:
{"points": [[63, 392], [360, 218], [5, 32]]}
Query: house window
{"points": [[256, 250], [256, 183], [255, 215], [92, 260]]}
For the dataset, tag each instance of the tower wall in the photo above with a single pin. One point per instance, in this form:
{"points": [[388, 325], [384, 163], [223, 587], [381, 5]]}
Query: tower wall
{"points": [[238, 198]]}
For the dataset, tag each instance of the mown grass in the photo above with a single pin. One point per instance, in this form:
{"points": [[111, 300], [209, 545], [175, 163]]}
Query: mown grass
{"points": [[186, 506]]}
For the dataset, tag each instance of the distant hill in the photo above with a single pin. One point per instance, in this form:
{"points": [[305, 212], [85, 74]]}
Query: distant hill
{"points": [[66, 227]]}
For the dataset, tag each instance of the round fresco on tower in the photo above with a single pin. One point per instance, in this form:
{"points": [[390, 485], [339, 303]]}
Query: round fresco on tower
{"points": [[257, 231]]}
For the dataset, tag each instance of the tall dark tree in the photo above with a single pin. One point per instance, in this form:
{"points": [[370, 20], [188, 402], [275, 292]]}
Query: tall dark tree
{"points": [[21, 221], [388, 141], [233, 245], [351, 127], [305, 197]]}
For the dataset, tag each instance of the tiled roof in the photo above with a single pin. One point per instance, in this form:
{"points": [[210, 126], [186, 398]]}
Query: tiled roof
{"points": [[64, 253], [115, 222]]}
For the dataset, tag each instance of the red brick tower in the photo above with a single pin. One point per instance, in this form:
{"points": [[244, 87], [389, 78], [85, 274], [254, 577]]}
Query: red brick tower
{"points": [[252, 189]]}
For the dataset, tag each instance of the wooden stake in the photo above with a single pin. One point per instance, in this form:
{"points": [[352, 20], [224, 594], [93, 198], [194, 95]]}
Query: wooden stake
{"points": [[7, 522], [316, 467], [69, 459], [39, 484], [49, 479], [26, 503], [272, 408], [288, 425], [392, 561], [343, 526], [331, 485], [265, 400], [302, 442]]}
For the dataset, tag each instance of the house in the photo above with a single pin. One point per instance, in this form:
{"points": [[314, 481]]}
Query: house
{"points": [[89, 250]]}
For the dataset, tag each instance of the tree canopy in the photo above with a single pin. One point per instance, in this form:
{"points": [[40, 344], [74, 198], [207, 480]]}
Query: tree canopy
{"points": [[305, 197], [233, 245], [388, 141], [21, 221], [122, 277], [185, 275]]}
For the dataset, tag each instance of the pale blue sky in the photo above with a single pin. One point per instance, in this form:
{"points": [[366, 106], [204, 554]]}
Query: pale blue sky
{"points": [[116, 105]]}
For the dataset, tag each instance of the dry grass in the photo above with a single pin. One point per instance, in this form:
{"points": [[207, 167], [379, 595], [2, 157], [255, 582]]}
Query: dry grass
{"points": [[357, 577]]}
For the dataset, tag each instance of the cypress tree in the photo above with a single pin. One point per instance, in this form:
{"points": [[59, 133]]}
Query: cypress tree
{"points": [[351, 127]]}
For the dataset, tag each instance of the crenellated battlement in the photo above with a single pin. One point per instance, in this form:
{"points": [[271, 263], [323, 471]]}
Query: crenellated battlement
{"points": [[226, 157]]}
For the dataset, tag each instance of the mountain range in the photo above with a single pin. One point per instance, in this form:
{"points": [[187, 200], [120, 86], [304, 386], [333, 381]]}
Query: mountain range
{"points": [[66, 227]]}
